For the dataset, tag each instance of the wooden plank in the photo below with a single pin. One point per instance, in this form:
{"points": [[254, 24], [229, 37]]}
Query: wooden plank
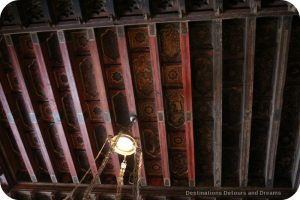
{"points": [[50, 96], [6, 166], [283, 38], [29, 107], [97, 68], [247, 100], [123, 51], [182, 8], [77, 9], [218, 7], [111, 9], [75, 97], [199, 16], [146, 9], [154, 52], [295, 173], [188, 105], [149, 191], [255, 6], [16, 134], [217, 102]]}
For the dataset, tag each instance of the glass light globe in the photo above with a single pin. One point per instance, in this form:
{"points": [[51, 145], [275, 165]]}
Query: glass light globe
{"points": [[125, 145]]}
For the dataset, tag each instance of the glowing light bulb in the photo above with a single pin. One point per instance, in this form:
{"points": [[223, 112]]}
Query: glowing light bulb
{"points": [[125, 145]]}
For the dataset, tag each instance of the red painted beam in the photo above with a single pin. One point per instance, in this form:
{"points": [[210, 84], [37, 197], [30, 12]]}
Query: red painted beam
{"points": [[29, 107], [75, 96], [123, 51], [188, 106], [102, 93], [159, 103], [50, 96]]}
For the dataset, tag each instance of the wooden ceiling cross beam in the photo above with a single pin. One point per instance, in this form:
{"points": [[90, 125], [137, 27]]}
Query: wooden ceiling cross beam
{"points": [[175, 191], [156, 72], [29, 107], [247, 100], [217, 101], [16, 135], [188, 105], [97, 68], [283, 39], [76, 101], [42, 65], [125, 66]]}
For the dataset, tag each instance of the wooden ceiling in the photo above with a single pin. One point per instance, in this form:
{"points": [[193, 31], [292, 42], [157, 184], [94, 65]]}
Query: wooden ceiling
{"points": [[215, 85]]}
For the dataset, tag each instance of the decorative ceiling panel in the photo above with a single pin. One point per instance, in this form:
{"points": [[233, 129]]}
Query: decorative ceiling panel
{"points": [[214, 85]]}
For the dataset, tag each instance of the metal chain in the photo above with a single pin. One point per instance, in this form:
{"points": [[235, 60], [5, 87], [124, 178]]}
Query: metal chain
{"points": [[136, 173], [100, 170], [70, 196]]}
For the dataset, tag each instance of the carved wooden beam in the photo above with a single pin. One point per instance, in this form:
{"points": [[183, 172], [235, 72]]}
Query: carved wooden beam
{"points": [[29, 107], [188, 105], [217, 101], [270, 12], [102, 94], [75, 97], [247, 100], [123, 51], [42, 65], [283, 39], [149, 191], [159, 103], [16, 135]]}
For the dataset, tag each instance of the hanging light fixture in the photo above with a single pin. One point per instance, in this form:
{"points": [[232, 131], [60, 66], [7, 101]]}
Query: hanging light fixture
{"points": [[125, 145]]}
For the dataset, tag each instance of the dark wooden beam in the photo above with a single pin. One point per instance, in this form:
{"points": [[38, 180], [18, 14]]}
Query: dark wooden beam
{"points": [[247, 99], [47, 11], [283, 39], [218, 7], [182, 8], [200, 16], [29, 107], [6, 166], [102, 94], [16, 135], [111, 9], [174, 191], [42, 65], [77, 9], [188, 105], [123, 51], [76, 101], [146, 9], [295, 173], [217, 101], [255, 6], [155, 62]]}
